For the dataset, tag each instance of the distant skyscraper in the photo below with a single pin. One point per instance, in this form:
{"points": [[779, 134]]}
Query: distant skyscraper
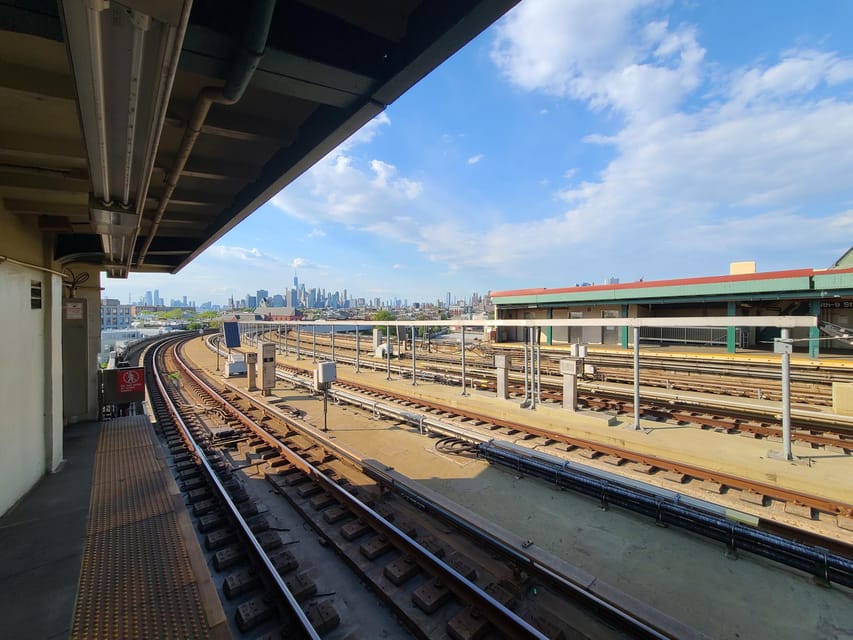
{"points": [[149, 299], [156, 297], [262, 293]]}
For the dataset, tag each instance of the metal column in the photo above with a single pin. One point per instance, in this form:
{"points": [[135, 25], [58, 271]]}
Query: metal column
{"points": [[524, 351], [314, 343], [414, 361], [298, 351], [388, 351], [357, 349], [538, 367], [636, 425], [285, 340], [532, 368], [464, 390], [784, 347], [786, 398], [333, 342], [814, 332], [731, 310]]}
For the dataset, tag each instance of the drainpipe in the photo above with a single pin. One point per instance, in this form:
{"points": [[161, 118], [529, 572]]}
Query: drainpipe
{"points": [[252, 49]]}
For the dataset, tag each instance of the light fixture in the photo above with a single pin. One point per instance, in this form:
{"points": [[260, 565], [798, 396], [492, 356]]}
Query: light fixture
{"points": [[123, 61]]}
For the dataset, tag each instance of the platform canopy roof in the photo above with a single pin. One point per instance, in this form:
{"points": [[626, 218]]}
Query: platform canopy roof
{"points": [[139, 132]]}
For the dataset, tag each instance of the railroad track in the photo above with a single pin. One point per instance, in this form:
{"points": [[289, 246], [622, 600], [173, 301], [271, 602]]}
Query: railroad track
{"points": [[827, 558], [754, 492], [815, 429], [811, 384], [463, 580], [236, 537]]}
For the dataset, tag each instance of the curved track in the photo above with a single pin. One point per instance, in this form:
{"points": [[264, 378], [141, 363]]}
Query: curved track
{"points": [[465, 582]]}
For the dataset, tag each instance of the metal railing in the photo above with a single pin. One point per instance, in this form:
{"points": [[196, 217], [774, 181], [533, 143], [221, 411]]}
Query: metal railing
{"points": [[710, 336]]}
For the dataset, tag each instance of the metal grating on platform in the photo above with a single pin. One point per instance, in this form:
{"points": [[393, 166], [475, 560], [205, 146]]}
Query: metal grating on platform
{"points": [[136, 579]]}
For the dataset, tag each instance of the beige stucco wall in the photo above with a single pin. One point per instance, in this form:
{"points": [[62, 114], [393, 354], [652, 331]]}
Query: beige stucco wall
{"points": [[90, 291], [31, 384], [31, 387]]}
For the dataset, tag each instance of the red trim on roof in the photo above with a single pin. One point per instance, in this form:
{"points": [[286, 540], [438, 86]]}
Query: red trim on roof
{"points": [[744, 277]]}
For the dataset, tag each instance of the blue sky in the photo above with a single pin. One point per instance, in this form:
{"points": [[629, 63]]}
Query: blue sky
{"points": [[574, 141]]}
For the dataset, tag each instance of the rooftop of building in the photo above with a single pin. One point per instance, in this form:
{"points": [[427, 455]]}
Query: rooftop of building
{"points": [[811, 282]]}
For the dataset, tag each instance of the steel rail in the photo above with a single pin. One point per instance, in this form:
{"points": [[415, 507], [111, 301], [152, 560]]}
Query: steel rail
{"points": [[821, 504], [584, 592], [666, 506], [817, 561], [305, 625], [505, 620], [736, 482], [807, 419]]}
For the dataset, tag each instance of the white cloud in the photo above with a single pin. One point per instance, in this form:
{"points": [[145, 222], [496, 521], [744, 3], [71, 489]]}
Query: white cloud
{"points": [[592, 51], [702, 163], [799, 72], [716, 175], [229, 253], [341, 189], [398, 266], [316, 232], [367, 133]]}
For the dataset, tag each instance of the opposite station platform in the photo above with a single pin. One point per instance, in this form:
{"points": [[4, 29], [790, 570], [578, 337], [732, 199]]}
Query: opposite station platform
{"points": [[104, 548], [817, 472], [842, 360]]}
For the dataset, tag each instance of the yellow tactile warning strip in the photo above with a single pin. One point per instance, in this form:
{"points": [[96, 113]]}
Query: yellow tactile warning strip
{"points": [[136, 580]]}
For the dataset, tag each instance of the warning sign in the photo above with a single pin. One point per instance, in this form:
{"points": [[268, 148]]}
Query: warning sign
{"points": [[130, 380], [122, 386]]}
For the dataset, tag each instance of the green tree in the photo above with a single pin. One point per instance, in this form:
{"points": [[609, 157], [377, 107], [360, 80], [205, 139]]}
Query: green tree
{"points": [[384, 315]]}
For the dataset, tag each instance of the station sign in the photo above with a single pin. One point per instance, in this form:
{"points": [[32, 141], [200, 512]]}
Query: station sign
{"points": [[232, 334]]}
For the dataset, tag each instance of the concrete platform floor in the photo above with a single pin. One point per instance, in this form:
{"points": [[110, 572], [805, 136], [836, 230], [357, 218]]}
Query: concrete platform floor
{"points": [[41, 544], [683, 575]]}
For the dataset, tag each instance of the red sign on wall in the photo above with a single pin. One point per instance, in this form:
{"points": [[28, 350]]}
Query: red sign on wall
{"points": [[131, 380]]}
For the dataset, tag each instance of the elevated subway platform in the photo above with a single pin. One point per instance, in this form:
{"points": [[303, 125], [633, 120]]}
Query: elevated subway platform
{"points": [[827, 475], [104, 548]]}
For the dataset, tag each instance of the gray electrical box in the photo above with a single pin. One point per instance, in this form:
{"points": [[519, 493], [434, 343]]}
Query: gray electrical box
{"points": [[779, 346], [324, 375], [266, 358], [571, 366], [326, 372]]}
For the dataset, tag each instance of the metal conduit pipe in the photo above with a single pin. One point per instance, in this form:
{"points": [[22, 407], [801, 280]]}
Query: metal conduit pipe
{"points": [[141, 24], [174, 42], [93, 17], [819, 562], [252, 49], [526, 395]]}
